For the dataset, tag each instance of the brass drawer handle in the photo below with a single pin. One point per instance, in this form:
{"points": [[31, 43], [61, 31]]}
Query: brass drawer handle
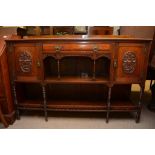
{"points": [[95, 48], [58, 48]]}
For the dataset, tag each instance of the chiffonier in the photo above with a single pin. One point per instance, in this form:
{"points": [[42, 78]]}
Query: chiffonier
{"points": [[77, 73]]}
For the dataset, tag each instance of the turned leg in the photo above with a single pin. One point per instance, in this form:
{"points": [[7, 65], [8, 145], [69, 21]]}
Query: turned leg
{"points": [[16, 102], [94, 69], [138, 114], [108, 104], [151, 83], [58, 68], [45, 102]]}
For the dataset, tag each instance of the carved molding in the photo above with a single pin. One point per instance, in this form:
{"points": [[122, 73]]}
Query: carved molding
{"points": [[25, 62], [129, 62]]}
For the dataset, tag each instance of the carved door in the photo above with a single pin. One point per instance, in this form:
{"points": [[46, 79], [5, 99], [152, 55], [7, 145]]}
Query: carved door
{"points": [[27, 62], [130, 63]]}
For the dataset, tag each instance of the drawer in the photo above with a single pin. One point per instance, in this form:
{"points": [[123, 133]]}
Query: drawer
{"points": [[52, 48]]}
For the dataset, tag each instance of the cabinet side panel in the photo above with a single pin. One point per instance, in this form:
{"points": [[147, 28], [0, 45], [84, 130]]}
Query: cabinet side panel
{"points": [[6, 82]]}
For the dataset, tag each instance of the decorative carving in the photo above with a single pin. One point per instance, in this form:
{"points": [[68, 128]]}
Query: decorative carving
{"points": [[25, 62], [129, 62]]}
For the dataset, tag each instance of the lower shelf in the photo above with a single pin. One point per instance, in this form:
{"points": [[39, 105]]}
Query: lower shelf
{"points": [[123, 106], [77, 105], [68, 105], [77, 80], [31, 105]]}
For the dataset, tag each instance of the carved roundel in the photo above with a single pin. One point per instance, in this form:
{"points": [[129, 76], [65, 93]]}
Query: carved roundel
{"points": [[25, 61], [129, 62]]}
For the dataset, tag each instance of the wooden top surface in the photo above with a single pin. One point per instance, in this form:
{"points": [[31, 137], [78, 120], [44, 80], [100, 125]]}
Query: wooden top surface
{"points": [[2, 44], [78, 37]]}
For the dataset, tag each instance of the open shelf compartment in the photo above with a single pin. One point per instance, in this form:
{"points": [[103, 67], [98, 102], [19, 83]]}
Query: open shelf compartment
{"points": [[76, 97], [29, 95], [123, 101], [76, 69]]}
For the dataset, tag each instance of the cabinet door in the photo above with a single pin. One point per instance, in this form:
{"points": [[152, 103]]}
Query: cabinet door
{"points": [[131, 59], [27, 62]]}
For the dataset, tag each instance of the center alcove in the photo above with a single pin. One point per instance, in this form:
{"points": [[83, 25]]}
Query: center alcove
{"points": [[77, 67]]}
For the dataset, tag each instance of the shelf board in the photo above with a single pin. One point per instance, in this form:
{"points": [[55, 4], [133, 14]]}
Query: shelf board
{"points": [[31, 104], [78, 80], [64, 105], [78, 105], [123, 106], [28, 81]]}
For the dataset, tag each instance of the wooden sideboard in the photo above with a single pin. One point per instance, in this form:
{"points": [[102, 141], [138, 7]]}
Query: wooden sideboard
{"points": [[77, 73]]}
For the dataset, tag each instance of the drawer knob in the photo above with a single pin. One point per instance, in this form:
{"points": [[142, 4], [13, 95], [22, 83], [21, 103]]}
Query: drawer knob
{"points": [[38, 64], [115, 63], [95, 48], [58, 48]]}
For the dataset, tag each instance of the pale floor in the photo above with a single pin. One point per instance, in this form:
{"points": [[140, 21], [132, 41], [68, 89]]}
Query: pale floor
{"points": [[90, 121]]}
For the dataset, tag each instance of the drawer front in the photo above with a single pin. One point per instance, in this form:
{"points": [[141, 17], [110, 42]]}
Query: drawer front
{"points": [[52, 48]]}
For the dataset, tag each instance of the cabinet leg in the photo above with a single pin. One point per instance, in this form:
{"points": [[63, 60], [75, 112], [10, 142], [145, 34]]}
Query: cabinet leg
{"points": [[94, 70], [45, 102], [17, 114], [108, 104], [16, 102], [58, 64], [151, 83], [138, 114], [140, 104], [107, 118]]}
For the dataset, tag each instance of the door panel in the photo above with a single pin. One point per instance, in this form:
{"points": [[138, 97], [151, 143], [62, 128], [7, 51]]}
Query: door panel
{"points": [[27, 62], [130, 63]]}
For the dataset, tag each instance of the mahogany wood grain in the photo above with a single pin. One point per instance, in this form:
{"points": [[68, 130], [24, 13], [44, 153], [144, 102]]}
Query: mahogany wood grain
{"points": [[7, 107]]}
